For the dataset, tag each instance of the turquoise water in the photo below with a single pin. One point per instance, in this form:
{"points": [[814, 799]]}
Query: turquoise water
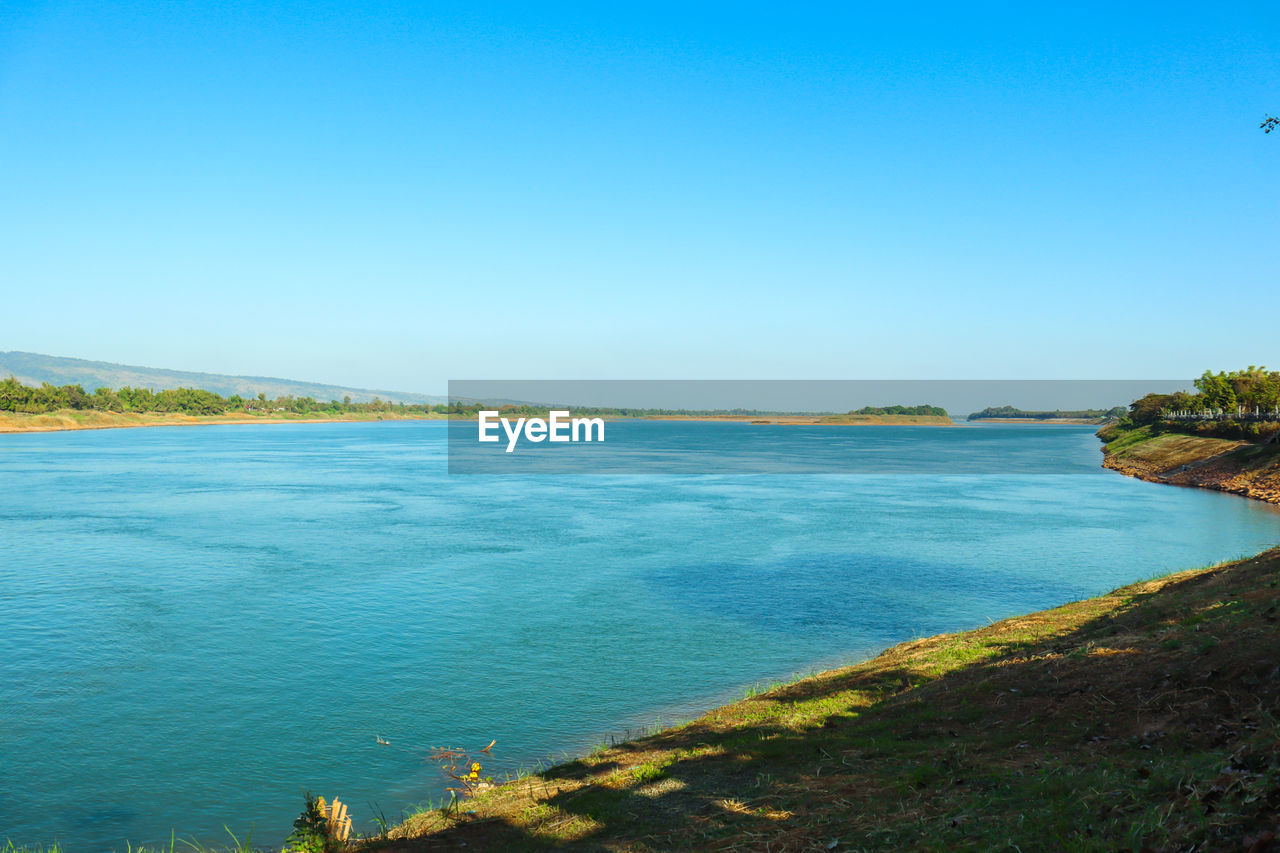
{"points": [[198, 624]]}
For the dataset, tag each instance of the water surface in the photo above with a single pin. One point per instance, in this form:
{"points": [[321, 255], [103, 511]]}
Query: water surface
{"points": [[197, 624]]}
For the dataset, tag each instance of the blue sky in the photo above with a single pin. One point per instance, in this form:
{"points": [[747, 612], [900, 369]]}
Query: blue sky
{"points": [[395, 194]]}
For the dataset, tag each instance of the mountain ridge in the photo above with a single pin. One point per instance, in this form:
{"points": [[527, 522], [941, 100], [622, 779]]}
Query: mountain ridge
{"points": [[35, 368]]}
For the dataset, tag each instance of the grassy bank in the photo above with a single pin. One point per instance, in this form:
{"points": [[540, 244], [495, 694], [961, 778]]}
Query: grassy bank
{"points": [[1227, 465], [1140, 719], [69, 419]]}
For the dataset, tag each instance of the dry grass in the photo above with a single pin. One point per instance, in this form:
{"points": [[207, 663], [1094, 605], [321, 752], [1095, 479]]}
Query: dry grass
{"points": [[1239, 467], [1166, 452]]}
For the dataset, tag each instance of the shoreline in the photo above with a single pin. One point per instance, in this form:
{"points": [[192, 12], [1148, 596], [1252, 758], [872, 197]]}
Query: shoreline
{"points": [[12, 423], [1224, 465], [1050, 727], [15, 423]]}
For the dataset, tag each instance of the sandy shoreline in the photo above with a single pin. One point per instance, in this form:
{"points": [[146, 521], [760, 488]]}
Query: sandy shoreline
{"points": [[17, 423], [62, 421]]}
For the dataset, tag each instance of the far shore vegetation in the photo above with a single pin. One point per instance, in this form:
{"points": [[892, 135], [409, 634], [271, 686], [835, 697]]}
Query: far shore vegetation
{"points": [[467, 410], [72, 419], [934, 411], [45, 398], [48, 407], [922, 415], [1015, 414]]}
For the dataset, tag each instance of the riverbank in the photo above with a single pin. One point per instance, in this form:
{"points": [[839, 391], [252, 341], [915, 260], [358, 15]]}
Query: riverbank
{"points": [[1239, 467], [1141, 719], [73, 419], [76, 419]]}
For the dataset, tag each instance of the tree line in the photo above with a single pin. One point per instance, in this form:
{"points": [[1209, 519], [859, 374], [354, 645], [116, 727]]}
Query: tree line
{"points": [[1012, 412], [17, 397], [936, 411], [1254, 388]]}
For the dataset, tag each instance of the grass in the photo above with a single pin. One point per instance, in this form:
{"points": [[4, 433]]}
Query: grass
{"points": [[1118, 440], [1145, 718], [1227, 465], [175, 844]]}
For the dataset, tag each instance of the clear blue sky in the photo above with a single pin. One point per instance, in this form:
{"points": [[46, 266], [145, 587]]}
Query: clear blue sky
{"points": [[395, 194]]}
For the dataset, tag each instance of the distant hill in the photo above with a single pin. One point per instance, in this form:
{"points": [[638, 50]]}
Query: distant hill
{"points": [[33, 368]]}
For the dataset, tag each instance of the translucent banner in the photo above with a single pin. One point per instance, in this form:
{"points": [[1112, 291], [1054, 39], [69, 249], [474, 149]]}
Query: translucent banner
{"points": [[785, 427]]}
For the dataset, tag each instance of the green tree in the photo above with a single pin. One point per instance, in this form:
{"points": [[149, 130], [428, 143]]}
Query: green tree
{"points": [[1216, 390]]}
